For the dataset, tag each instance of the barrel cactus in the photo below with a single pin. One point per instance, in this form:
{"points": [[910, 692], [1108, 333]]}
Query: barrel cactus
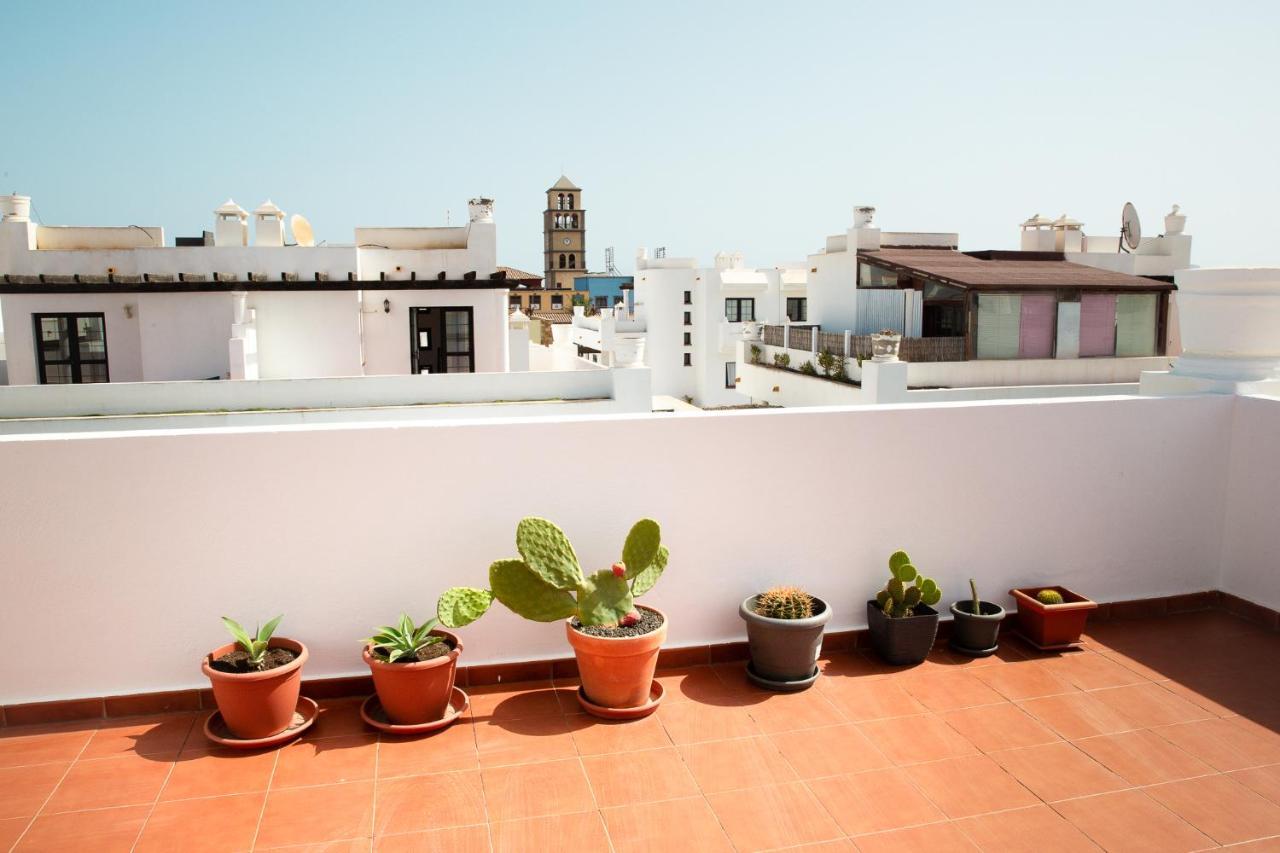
{"points": [[1049, 596], [546, 583], [897, 599], [785, 602]]}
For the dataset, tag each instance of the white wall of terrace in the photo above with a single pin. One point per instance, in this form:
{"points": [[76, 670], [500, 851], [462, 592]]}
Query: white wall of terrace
{"points": [[341, 527]]}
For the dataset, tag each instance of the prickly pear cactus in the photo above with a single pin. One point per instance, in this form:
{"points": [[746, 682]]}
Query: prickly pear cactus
{"points": [[897, 599]]}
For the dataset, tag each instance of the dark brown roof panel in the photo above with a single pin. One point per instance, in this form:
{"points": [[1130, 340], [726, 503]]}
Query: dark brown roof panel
{"points": [[1005, 270]]}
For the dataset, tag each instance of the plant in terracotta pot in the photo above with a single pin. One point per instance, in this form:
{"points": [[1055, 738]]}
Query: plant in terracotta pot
{"points": [[1051, 617], [615, 641], [975, 625], [256, 680], [901, 619], [413, 669], [784, 631]]}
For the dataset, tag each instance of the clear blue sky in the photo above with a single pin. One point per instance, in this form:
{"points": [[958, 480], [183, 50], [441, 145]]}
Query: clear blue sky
{"points": [[694, 125]]}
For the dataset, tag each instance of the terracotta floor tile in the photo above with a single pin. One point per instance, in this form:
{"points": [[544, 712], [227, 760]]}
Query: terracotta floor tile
{"points": [[105, 782], [725, 765], [1033, 830], [1148, 705], [594, 736], [11, 830], [839, 845], [1262, 780], [412, 803], [838, 667], [1056, 771], [1222, 744], [1077, 715], [218, 772], [319, 814], [342, 845], [451, 749], [582, 831], [1132, 822], [872, 700], [1025, 680], [834, 751], [692, 683], [968, 786], [23, 750], [102, 831], [1220, 807], [693, 722], [350, 758], [907, 740], [786, 712], [338, 717], [934, 838], [949, 691], [1003, 726], [1143, 757], [24, 789], [639, 777], [513, 701], [1090, 670], [773, 816], [159, 736], [524, 741], [536, 790], [737, 685], [648, 827], [874, 801], [203, 826], [458, 839]]}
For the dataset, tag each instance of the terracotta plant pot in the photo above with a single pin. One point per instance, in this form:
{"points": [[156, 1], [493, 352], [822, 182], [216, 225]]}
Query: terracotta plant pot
{"points": [[617, 672], [905, 640], [418, 692], [1051, 626], [257, 704]]}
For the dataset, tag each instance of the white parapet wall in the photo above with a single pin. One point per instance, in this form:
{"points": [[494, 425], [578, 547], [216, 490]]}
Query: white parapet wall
{"points": [[142, 540]]}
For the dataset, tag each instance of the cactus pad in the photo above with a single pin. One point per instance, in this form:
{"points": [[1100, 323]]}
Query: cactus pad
{"points": [[645, 580], [548, 553], [462, 605], [603, 599], [526, 594], [641, 547], [897, 599]]}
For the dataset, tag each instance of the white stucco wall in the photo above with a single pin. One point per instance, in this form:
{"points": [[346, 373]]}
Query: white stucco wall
{"points": [[1251, 537], [184, 335], [124, 342], [341, 528], [310, 333]]}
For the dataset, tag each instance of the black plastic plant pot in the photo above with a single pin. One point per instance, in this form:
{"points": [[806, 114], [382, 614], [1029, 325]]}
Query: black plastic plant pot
{"points": [[905, 640], [976, 635], [784, 652]]}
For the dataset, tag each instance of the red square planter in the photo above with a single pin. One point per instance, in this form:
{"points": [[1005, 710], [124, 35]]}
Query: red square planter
{"points": [[1051, 626]]}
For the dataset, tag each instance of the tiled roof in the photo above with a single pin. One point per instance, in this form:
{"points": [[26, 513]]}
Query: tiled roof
{"points": [[514, 274], [553, 316], [1003, 270], [564, 184]]}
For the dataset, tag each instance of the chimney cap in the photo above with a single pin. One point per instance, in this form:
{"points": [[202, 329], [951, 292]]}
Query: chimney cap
{"points": [[268, 209], [1037, 221], [230, 208]]}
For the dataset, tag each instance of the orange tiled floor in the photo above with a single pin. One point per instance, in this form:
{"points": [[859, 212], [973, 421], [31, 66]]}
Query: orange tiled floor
{"points": [[1162, 735]]}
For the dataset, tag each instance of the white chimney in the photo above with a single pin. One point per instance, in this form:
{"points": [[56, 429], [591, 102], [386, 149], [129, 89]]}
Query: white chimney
{"points": [[480, 209], [231, 225], [268, 225], [1174, 221], [15, 208], [864, 234], [864, 216]]}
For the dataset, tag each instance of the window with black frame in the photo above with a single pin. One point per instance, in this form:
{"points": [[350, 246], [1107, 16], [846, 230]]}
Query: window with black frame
{"points": [[71, 348], [458, 353], [797, 309], [739, 310]]}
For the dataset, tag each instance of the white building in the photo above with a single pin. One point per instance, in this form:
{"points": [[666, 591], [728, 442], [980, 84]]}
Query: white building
{"points": [[98, 304], [693, 318]]}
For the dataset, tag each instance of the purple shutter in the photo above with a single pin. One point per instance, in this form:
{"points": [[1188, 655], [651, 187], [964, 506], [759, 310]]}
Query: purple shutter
{"points": [[1035, 329], [1097, 324]]}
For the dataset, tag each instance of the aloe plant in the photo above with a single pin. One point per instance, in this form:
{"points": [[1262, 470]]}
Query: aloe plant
{"points": [[254, 646], [405, 639]]}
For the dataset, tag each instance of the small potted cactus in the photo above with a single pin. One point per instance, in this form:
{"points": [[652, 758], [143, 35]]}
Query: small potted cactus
{"points": [[784, 631], [901, 618], [615, 640], [975, 625], [1051, 617]]}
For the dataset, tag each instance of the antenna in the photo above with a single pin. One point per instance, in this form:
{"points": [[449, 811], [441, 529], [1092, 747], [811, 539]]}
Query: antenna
{"points": [[1130, 228], [302, 233], [660, 252], [609, 265]]}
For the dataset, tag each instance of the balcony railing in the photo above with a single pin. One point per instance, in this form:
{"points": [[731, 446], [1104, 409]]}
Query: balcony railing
{"points": [[912, 349]]}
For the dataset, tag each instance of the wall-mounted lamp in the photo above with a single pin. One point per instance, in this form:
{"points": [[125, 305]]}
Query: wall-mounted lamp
{"points": [[386, 306], [128, 311]]}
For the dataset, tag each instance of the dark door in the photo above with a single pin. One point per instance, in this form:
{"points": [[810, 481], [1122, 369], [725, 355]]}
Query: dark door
{"points": [[71, 348], [443, 340], [943, 320]]}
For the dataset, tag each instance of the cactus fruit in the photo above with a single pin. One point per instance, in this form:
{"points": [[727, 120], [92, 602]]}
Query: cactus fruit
{"points": [[546, 583], [785, 602], [630, 619], [897, 599], [1049, 596]]}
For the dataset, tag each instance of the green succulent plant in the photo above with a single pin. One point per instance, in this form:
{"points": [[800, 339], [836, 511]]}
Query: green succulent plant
{"points": [[897, 599], [405, 639], [546, 582], [255, 646], [785, 602], [1049, 596]]}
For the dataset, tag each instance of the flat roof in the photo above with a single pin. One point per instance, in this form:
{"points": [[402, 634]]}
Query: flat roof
{"points": [[219, 284], [994, 270]]}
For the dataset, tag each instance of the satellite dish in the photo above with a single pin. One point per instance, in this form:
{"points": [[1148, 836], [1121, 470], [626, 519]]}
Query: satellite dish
{"points": [[1130, 227], [302, 232]]}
